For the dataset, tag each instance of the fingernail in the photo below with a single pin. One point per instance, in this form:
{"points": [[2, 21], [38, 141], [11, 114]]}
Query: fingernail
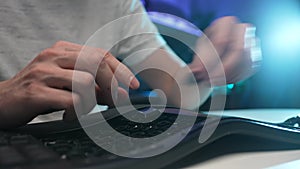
{"points": [[134, 83]]}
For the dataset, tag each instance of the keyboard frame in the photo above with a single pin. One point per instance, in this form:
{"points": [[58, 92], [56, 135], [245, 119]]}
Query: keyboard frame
{"points": [[284, 138]]}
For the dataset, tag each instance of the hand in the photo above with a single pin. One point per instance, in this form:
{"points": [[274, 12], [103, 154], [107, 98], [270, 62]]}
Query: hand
{"points": [[58, 79], [236, 50]]}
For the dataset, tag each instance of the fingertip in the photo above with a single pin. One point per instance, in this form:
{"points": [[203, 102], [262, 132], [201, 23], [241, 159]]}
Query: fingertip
{"points": [[134, 83]]}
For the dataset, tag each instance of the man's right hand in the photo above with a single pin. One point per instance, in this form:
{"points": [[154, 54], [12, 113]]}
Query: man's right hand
{"points": [[58, 79]]}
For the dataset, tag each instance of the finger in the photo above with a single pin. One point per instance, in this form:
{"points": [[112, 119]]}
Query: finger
{"points": [[78, 82], [60, 57], [237, 61], [219, 32], [123, 97], [56, 100], [237, 58], [104, 75], [75, 55], [199, 74], [205, 60], [122, 72], [122, 94], [107, 83], [88, 59], [251, 63], [210, 48]]}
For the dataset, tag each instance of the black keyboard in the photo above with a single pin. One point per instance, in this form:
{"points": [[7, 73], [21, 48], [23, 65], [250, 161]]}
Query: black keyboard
{"points": [[24, 151], [77, 147], [60, 145], [73, 148]]}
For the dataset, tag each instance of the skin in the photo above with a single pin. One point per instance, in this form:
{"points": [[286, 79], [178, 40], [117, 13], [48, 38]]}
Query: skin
{"points": [[45, 84], [227, 35]]}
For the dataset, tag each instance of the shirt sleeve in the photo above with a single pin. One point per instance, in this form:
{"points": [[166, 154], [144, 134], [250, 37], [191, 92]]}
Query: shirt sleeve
{"points": [[138, 34]]}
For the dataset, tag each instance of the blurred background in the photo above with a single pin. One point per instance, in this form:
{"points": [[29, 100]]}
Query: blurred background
{"points": [[277, 84]]}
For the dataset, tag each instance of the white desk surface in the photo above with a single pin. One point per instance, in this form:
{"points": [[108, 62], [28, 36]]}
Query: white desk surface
{"points": [[256, 160], [269, 160]]}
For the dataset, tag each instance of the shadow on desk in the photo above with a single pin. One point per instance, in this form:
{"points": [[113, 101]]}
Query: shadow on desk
{"points": [[230, 145]]}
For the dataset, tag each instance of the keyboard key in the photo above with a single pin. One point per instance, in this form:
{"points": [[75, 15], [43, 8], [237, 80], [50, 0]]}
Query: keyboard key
{"points": [[3, 141], [10, 156], [20, 139], [39, 153]]}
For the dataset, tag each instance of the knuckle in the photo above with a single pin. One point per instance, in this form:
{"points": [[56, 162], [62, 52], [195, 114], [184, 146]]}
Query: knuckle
{"points": [[47, 54], [225, 20], [107, 56], [63, 59], [102, 65], [69, 102], [88, 79], [93, 55], [37, 71], [32, 89], [59, 44], [231, 19], [75, 100], [34, 72]]}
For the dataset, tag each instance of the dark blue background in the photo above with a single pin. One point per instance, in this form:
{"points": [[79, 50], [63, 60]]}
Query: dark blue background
{"points": [[277, 84]]}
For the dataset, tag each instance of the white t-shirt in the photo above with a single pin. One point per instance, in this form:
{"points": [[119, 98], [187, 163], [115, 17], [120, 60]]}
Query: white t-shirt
{"points": [[29, 26]]}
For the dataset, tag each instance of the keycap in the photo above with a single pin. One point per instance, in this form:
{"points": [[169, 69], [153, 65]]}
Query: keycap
{"points": [[10, 156]]}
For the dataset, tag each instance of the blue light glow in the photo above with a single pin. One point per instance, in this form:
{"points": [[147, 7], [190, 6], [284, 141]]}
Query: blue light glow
{"points": [[230, 86], [286, 37]]}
